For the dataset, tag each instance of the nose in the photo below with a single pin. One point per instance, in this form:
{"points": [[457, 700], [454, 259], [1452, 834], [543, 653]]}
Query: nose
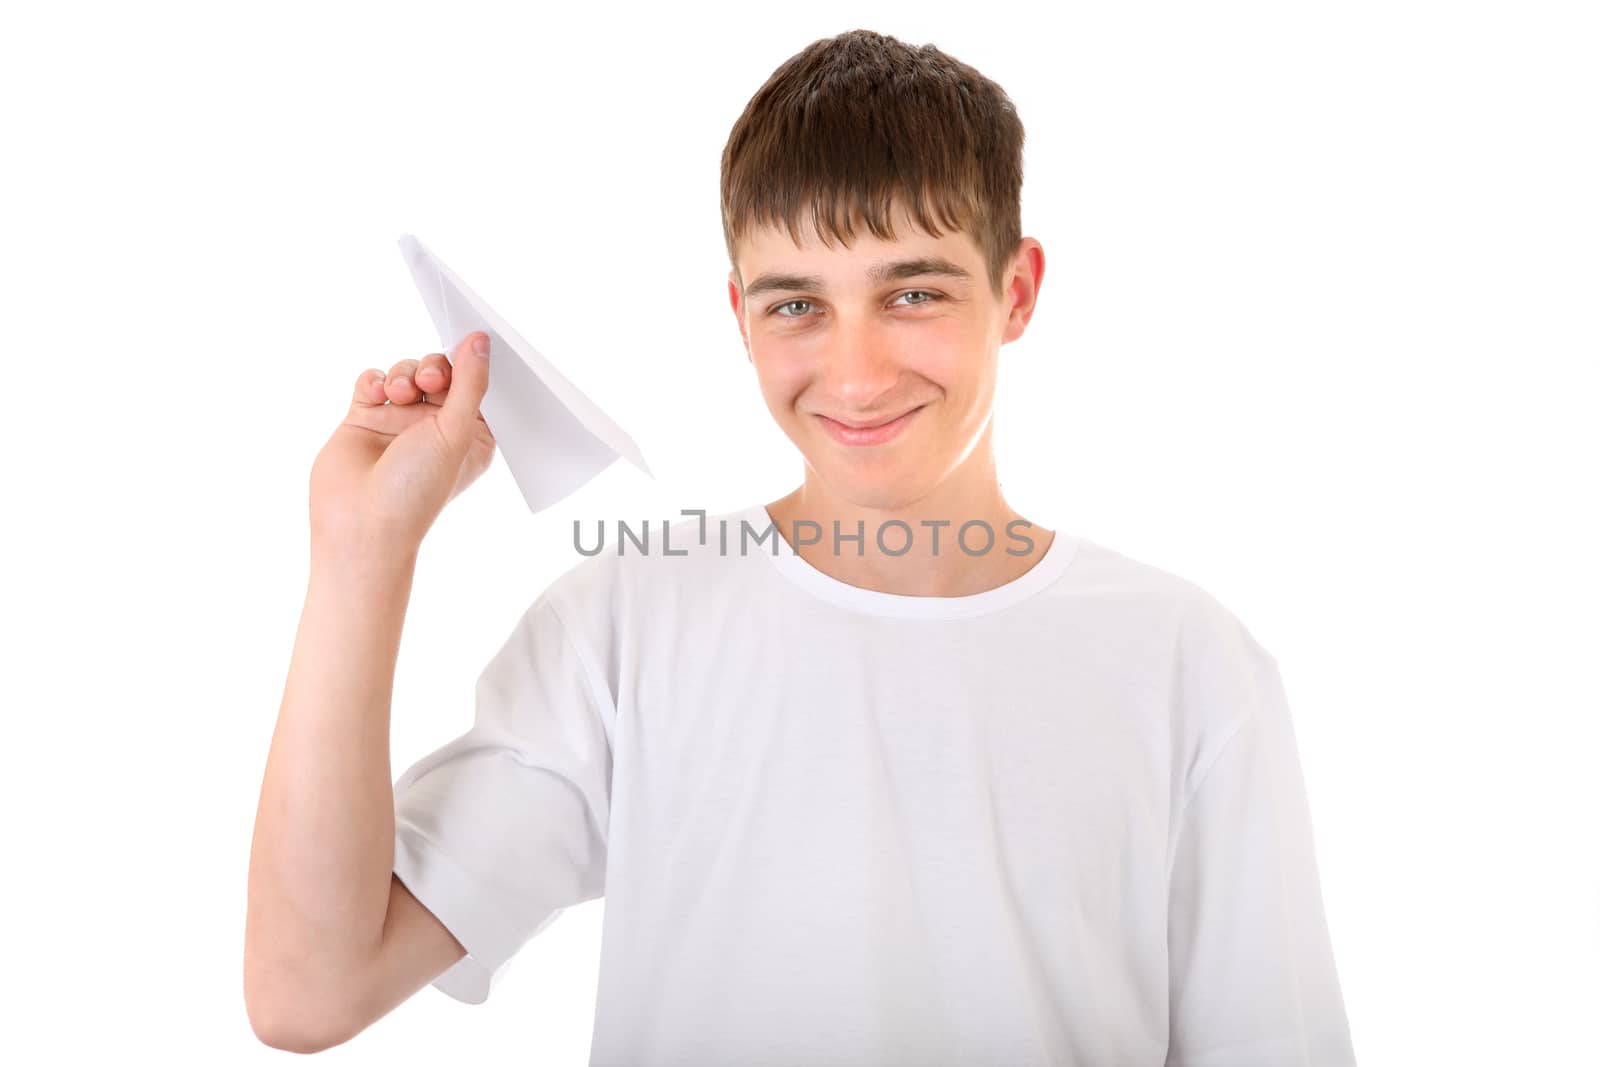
{"points": [[860, 366]]}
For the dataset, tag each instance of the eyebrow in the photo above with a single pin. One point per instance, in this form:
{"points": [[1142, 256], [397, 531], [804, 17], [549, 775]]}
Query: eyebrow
{"points": [[892, 270]]}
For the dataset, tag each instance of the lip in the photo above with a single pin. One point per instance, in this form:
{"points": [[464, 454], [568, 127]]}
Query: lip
{"points": [[869, 435]]}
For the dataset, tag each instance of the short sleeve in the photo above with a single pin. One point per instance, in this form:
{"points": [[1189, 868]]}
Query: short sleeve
{"points": [[1251, 968], [504, 827]]}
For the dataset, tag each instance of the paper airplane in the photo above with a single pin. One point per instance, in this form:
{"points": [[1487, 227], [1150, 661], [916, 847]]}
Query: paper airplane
{"points": [[553, 437]]}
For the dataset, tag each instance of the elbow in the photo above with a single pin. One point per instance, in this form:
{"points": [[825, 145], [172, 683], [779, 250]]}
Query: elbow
{"points": [[289, 1041], [287, 1033], [282, 1023]]}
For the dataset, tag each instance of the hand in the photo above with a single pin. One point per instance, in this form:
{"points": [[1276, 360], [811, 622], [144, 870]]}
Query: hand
{"points": [[412, 441]]}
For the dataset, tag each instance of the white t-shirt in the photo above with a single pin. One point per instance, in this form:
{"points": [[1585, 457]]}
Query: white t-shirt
{"points": [[1061, 821]]}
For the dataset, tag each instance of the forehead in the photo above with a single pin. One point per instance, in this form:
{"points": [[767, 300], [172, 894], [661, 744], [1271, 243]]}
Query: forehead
{"points": [[768, 257]]}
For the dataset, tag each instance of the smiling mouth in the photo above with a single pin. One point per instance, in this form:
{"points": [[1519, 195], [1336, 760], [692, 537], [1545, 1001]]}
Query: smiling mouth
{"points": [[876, 433], [871, 425]]}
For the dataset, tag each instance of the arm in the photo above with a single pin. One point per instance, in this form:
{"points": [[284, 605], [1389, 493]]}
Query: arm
{"points": [[1253, 977], [332, 940]]}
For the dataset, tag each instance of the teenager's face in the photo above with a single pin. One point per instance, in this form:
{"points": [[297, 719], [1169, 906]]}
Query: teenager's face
{"points": [[883, 330]]}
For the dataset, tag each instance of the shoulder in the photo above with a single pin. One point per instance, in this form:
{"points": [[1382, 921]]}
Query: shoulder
{"points": [[1214, 673], [1172, 604], [1216, 677]]}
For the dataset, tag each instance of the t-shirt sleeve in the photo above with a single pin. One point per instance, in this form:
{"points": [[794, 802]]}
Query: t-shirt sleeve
{"points": [[502, 828], [1251, 966]]}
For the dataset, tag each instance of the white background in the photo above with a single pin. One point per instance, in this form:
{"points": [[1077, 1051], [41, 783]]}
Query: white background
{"points": [[1318, 332]]}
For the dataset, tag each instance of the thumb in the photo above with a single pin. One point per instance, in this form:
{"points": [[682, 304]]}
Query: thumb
{"points": [[469, 380]]}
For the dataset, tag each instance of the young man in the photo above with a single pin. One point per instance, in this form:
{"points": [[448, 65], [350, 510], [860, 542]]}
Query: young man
{"points": [[907, 780]]}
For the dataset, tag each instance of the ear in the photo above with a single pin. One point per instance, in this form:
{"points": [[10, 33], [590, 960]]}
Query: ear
{"points": [[1022, 288], [736, 301]]}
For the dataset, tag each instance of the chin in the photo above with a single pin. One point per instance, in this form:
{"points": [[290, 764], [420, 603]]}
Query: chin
{"points": [[883, 487]]}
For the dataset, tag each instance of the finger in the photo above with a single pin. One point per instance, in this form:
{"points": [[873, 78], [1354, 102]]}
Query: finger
{"points": [[369, 388], [399, 386], [433, 375], [469, 380]]}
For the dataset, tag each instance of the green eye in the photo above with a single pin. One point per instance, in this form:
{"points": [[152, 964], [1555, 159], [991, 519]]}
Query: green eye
{"points": [[927, 298]]}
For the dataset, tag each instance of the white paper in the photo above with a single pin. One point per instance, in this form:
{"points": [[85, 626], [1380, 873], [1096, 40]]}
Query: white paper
{"points": [[553, 437]]}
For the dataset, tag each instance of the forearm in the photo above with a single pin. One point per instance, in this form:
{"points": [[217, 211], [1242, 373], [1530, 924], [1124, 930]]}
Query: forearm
{"points": [[323, 849]]}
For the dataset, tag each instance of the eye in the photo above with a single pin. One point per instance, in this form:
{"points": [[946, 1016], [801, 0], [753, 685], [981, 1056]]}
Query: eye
{"points": [[931, 297], [789, 303]]}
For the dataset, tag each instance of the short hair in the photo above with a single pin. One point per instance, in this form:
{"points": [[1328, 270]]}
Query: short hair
{"points": [[855, 123]]}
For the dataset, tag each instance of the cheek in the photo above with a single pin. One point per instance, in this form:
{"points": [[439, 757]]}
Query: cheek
{"points": [[780, 383], [956, 382], [942, 351]]}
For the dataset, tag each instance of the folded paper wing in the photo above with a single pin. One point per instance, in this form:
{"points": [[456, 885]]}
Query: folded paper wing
{"points": [[553, 437]]}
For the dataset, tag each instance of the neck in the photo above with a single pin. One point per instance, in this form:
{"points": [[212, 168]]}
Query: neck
{"points": [[995, 552]]}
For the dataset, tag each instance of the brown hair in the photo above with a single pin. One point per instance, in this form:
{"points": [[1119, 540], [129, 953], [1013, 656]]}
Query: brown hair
{"points": [[861, 121]]}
